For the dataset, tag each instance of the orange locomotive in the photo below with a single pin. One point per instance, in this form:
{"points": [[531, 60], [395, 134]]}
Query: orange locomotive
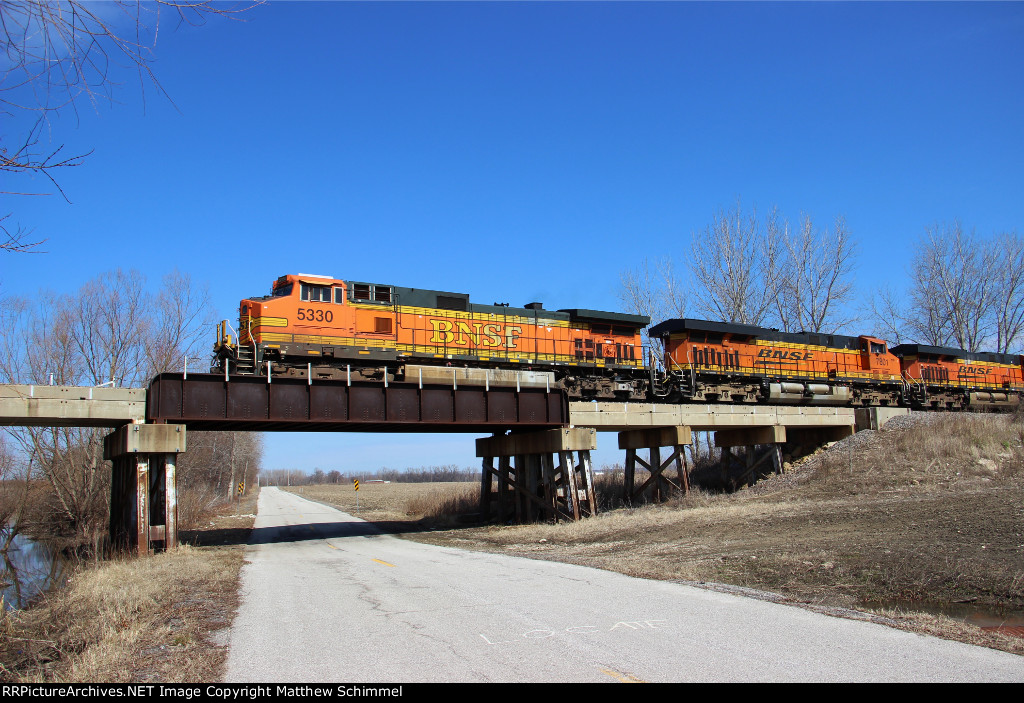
{"points": [[322, 327], [718, 361], [941, 377], [326, 327]]}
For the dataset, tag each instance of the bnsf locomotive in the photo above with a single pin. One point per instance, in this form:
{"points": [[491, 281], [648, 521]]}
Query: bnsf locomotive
{"points": [[330, 328], [322, 327]]}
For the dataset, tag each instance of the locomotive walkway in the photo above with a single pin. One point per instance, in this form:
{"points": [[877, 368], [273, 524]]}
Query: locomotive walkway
{"points": [[543, 472]]}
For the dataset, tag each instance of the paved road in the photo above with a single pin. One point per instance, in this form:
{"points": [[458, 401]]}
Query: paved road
{"points": [[327, 598]]}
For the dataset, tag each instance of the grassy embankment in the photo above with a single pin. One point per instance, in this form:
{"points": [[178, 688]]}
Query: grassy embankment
{"points": [[161, 618]]}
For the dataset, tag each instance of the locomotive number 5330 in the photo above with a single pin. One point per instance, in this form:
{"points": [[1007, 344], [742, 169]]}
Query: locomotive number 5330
{"points": [[316, 315]]}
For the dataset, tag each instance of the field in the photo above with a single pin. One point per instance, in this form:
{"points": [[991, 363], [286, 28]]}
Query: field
{"points": [[924, 516], [401, 503]]}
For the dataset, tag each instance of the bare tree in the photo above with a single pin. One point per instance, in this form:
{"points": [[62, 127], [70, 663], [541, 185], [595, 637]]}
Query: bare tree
{"points": [[112, 329], [813, 281], [181, 319], [950, 282], [105, 331], [59, 53], [109, 324], [734, 263], [652, 290], [1007, 279], [214, 465], [756, 271], [15, 482], [964, 291], [886, 309]]}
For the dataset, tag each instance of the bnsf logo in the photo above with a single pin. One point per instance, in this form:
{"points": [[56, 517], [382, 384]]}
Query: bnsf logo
{"points": [[973, 370], [779, 354]]}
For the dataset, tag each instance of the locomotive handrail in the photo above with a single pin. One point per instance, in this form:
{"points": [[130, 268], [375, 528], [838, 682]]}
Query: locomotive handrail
{"points": [[228, 325], [255, 351], [693, 376], [910, 382]]}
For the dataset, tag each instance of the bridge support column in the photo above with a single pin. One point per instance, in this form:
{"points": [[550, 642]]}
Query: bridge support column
{"points": [[538, 477], [749, 439], [144, 485], [658, 486]]}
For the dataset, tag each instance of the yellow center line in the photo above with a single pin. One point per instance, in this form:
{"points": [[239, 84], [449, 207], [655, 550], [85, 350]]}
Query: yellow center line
{"points": [[624, 678], [383, 562], [330, 545]]}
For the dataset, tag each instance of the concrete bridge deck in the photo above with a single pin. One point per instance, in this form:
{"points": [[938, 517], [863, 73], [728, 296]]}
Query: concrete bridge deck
{"points": [[621, 417], [71, 406]]}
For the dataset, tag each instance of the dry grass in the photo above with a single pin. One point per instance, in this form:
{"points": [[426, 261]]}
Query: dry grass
{"points": [[446, 505], [196, 505], [942, 450], [129, 620], [432, 503], [158, 618]]}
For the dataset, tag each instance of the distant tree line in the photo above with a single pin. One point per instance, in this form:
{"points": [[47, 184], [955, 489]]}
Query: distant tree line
{"points": [[963, 289], [423, 474]]}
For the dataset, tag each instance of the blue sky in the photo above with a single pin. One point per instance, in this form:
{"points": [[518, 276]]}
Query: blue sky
{"points": [[526, 151]]}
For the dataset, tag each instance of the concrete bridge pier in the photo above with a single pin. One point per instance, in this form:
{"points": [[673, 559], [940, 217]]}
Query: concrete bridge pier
{"points": [[144, 485], [541, 476], [658, 485]]}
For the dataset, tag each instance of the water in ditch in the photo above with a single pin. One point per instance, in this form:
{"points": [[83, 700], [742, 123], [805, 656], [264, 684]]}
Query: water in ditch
{"points": [[28, 568]]}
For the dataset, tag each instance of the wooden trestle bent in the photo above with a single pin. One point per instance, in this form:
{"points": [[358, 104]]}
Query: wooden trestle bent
{"points": [[658, 486], [530, 486]]}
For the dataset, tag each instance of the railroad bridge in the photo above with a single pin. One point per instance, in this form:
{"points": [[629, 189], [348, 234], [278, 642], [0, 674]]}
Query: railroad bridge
{"points": [[540, 439]]}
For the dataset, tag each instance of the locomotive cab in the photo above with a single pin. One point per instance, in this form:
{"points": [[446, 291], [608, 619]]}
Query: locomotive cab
{"points": [[300, 302], [875, 357]]}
